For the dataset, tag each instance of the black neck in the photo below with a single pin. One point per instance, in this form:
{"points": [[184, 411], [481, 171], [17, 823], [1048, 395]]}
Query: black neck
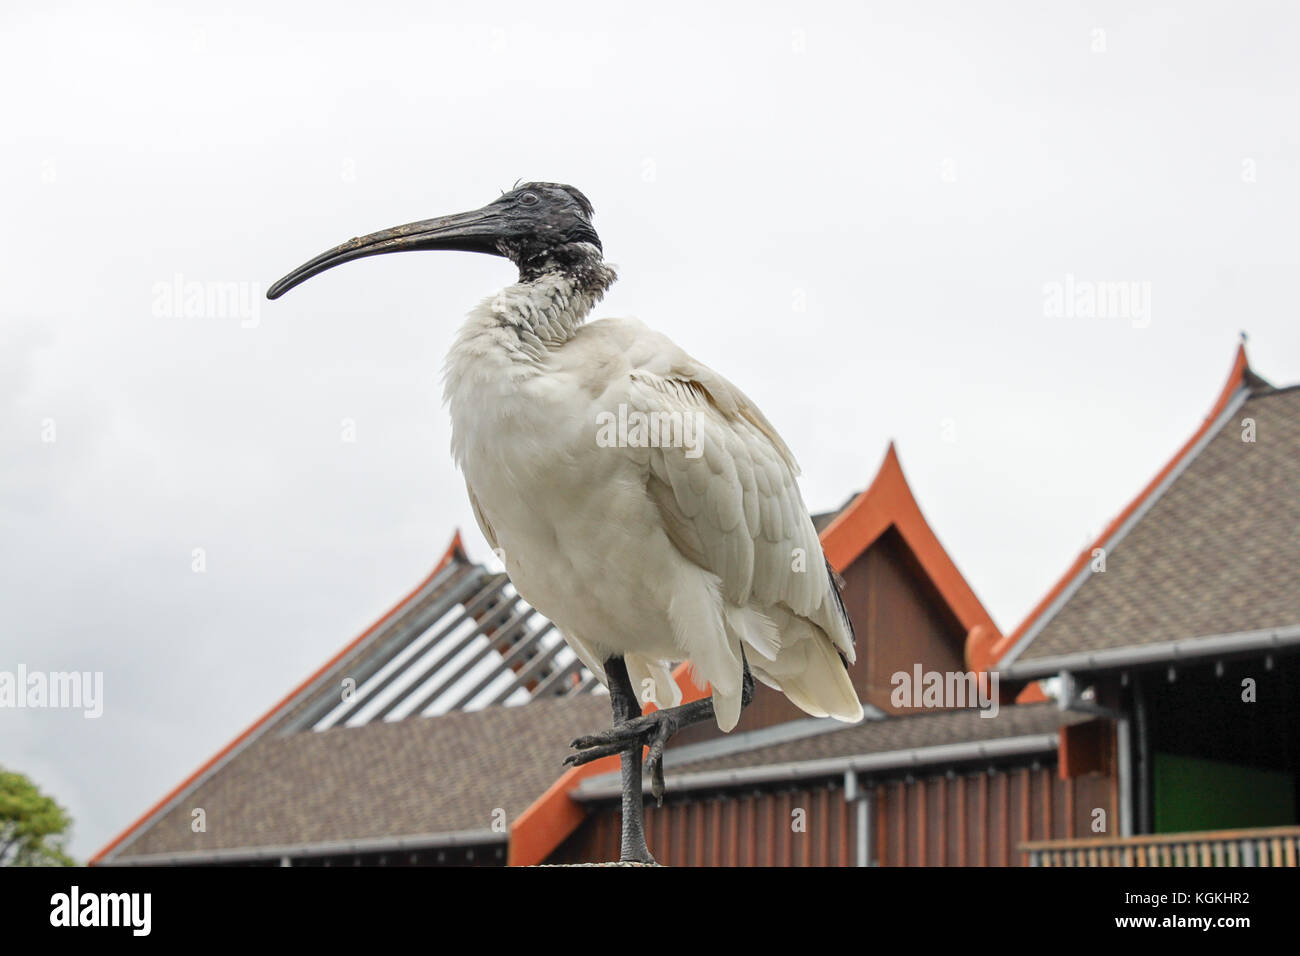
{"points": [[580, 262]]}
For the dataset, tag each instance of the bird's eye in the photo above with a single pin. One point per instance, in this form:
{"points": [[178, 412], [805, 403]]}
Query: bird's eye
{"points": [[528, 199]]}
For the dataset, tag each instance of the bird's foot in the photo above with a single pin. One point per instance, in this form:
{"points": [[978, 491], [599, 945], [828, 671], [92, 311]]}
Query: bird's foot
{"points": [[650, 730], [638, 855]]}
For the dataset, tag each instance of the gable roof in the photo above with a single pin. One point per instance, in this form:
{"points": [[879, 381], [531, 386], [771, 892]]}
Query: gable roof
{"points": [[1207, 550], [461, 638], [887, 503]]}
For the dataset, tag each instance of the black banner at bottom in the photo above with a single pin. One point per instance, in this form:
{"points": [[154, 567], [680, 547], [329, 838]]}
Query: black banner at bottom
{"points": [[364, 904]]}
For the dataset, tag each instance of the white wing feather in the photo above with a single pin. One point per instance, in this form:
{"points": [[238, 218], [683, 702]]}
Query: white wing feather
{"points": [[732, 502], [728, 494]]}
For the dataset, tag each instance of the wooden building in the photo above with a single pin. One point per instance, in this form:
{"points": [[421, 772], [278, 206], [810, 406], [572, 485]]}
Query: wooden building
{"points": [[1180, 626], [436, 736]]}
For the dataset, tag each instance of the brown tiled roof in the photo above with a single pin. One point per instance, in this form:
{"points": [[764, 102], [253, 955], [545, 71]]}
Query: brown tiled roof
{"points": [[897, 733], [1217, 553], [412, 777]]}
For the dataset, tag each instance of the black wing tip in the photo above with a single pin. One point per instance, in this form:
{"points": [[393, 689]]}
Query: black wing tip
{"points": [[837, 586]]}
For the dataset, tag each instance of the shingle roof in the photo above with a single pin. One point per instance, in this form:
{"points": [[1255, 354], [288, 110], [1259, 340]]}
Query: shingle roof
{"points": [[462, 639], [1215, 554], [412, 777], [897, 733]]}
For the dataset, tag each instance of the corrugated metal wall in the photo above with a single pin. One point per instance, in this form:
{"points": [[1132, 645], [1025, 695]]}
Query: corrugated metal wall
{"points": [[980, 819], [739, 828], [966, 819]]}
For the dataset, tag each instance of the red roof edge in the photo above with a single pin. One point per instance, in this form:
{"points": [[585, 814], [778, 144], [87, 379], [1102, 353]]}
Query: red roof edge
{"points": [[455, 551], [991, 653], [887, 502]]}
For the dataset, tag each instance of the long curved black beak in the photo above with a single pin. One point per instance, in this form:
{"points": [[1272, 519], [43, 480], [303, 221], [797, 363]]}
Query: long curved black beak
{"points": [[477, 231]]}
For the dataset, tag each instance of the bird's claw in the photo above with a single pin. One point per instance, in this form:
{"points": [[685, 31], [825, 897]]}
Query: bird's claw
{"points": [[664, 729], [594, 753], [651, 730]]}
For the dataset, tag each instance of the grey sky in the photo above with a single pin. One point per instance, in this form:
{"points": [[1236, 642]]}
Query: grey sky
{"points": [[851, 210]]}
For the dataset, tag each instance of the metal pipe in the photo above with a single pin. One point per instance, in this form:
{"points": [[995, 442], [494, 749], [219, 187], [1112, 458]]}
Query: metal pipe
{"points": [[1143, 755], [601, 788]]}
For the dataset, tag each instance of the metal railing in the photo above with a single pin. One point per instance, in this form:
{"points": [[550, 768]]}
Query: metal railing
{"points": [[1270, 846]]}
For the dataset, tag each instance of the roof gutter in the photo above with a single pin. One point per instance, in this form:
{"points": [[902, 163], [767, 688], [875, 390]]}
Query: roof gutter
{"points": [[431, 841], [607, 786], [1192, 648]]}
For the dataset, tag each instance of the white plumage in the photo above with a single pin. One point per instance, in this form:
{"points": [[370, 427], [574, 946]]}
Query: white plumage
{"points": [[689, 550]]}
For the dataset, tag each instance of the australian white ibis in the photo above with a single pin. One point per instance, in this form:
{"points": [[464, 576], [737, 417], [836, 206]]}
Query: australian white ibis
{"points": [[639, 499]]}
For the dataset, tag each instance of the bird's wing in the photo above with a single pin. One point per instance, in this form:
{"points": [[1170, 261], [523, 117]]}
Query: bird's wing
{"points": [[728, 492]]}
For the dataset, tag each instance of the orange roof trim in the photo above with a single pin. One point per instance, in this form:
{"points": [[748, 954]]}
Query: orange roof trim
{"points": [[455, 551], [984, 654], [888, 502]]}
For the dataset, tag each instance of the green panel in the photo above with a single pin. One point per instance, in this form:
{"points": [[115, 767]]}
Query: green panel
{"points": [[1194, 794]]}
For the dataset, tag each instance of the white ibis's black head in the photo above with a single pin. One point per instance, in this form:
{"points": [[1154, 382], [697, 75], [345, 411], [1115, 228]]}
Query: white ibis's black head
{"points": [[540, 227]]}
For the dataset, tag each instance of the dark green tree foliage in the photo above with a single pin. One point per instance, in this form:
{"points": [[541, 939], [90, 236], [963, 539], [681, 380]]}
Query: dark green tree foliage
{"points": [[32, 826]]}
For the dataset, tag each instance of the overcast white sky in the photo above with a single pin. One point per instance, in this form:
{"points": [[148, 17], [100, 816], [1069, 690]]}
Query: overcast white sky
{"points": [[912, 175]]}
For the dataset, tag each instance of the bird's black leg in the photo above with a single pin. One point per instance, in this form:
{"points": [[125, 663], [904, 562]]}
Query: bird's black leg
{"points": [[651, 730], [623, 700]]}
